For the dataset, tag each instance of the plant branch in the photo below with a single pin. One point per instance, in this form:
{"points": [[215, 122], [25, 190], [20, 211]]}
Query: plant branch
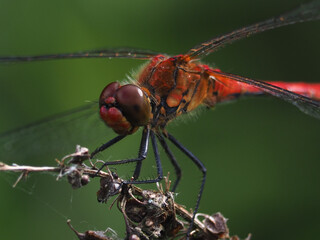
{"points": [[148, 214]]}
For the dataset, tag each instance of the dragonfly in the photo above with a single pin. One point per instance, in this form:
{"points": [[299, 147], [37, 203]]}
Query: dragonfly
{"points": [[171, 86]]}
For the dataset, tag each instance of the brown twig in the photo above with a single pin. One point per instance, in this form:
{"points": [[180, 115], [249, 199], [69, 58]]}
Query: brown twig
{"points": [[22, 168], [148, 214]]}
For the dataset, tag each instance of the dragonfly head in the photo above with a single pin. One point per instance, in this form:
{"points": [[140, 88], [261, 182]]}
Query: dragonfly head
{"points": [[124, 108]]}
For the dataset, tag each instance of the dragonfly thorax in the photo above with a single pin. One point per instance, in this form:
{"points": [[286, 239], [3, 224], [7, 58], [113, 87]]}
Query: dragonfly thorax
{"points": [[124, 108], [176, 86]]}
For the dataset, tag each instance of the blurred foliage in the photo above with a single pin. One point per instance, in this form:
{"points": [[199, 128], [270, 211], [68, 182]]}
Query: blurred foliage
{"points": [[262, 154]]}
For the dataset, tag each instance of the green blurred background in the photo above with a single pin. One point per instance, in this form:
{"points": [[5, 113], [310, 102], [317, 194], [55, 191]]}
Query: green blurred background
{"points": [[262, 154]]}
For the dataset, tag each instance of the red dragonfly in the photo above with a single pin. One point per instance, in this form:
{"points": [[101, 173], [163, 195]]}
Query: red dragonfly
{"points": [[168, 87]]}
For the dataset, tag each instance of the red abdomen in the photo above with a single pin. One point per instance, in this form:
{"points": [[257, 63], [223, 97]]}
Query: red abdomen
{"points": [[228, 89], [311, 90]]}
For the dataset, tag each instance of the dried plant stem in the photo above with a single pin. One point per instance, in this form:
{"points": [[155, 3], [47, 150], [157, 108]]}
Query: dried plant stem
{"points": [[22, 168], [27, 169], [162, 216]]}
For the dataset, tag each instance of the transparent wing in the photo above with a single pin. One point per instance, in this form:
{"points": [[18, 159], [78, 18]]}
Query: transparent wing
{"points": [[305, 104], [103, 53], [44, 141], [307, 12]]}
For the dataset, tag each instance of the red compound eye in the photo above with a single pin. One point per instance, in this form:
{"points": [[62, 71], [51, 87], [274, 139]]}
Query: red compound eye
{"points": [[124, 108], [107, 92], [134, 104]]}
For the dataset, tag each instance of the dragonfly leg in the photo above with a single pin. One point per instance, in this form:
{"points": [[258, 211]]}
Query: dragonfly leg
{"points": [[143, 150], [141, 155], [158, 163], [200, 166], [106, 145], [173, 161]]}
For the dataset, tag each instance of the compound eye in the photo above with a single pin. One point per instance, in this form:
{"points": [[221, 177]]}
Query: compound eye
{"points": [[134, 104], [108, 91]]}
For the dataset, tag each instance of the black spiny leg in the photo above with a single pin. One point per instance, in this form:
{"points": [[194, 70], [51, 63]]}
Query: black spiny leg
{"points": [[158, 163], [143, 150], [141, 155], [106, 145], [173, 161], [200, 166]]}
